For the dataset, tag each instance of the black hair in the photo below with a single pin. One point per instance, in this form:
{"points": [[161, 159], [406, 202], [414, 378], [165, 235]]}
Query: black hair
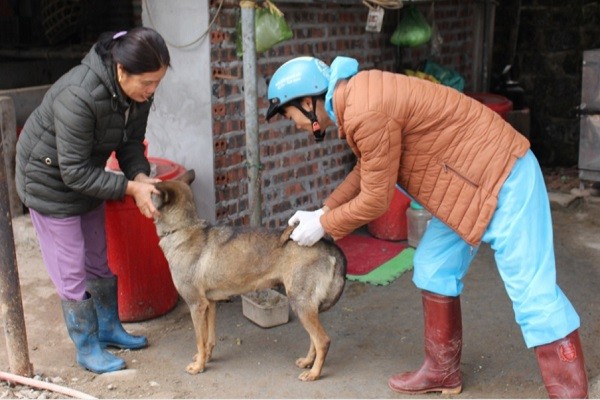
{"points": [[139, 50]]}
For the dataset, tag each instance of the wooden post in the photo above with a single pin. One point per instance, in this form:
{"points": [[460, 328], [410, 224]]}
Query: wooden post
{"points": [[11, 305], [8, 138]]}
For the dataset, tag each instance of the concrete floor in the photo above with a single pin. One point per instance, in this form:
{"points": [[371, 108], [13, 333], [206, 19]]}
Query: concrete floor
{"points": [[376, 331]]}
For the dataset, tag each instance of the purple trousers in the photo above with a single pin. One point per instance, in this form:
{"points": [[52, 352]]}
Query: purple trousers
{"points": [[73, 250]]}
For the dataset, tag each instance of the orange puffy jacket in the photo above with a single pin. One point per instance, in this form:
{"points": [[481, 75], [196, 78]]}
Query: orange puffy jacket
{"points": [[450, 152]]}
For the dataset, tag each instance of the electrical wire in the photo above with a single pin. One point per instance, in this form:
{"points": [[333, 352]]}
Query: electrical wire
{"points": [[181, 46]]}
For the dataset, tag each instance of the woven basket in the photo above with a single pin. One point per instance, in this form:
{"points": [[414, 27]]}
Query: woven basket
{"points": [[61, 18]]}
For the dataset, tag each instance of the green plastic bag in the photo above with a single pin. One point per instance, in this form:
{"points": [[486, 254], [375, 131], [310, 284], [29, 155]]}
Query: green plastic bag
{"points": [[270, 28], [413, 30], [446, 76]]}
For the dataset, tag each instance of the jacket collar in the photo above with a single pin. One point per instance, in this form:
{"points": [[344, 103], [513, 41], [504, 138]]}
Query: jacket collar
{"points": [[339, 105], [341, 68], [107, 75]]}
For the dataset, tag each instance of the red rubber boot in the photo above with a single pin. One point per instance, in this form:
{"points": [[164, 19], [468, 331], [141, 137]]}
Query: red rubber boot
{"points": [[440, 371], [563, 369]]}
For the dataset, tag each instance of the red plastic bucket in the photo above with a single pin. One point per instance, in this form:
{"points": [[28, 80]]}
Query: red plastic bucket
{"points": [[146, 288], [393, 224], [498, 103]]}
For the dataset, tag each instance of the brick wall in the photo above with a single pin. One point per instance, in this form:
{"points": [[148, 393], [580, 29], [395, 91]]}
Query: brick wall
{"points": [[297, 173]]}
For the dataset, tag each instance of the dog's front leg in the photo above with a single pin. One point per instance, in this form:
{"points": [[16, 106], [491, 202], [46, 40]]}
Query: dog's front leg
{"points": [[211, 316], [198, 312]]}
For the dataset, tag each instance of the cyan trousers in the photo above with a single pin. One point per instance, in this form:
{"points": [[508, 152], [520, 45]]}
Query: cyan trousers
{"points": [[520, 234]]}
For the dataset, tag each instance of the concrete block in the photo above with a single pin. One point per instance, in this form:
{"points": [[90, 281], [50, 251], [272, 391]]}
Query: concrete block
{"points": [[562, 199]]}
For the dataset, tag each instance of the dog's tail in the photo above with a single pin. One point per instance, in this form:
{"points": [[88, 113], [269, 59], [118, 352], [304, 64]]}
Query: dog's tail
{"points": [[285, 235]]}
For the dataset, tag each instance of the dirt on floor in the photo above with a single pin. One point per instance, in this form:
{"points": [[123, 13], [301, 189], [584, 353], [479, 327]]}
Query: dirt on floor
{"points": [[376, 331], [564, 180]]}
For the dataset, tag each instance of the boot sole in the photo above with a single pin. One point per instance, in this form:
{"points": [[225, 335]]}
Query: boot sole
{"points": [[103, 370], [104, 345], [455, 390]]}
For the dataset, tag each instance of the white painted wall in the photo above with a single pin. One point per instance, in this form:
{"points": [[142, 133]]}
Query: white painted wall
{"points": [[180, 123]]}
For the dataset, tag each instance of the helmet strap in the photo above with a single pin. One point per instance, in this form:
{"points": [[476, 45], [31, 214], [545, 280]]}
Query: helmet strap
{"points": [[312, 116]]}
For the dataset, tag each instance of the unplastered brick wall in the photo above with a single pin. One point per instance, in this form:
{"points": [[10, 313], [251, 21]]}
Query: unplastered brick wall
{"points": [[296, 172]]}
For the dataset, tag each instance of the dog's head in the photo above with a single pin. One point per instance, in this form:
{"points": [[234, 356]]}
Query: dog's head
{"points": [[175, 201]]}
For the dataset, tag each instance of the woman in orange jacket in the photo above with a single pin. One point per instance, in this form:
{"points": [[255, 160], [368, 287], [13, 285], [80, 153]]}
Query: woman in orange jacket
{"points": [[477, 177]]}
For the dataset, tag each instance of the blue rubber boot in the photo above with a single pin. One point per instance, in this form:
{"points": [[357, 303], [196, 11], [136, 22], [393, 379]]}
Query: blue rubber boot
{"points": [[111, 332], [82, 324]]}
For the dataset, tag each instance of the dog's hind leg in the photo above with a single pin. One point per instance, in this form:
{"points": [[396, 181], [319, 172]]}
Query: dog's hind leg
{"points": [[211, 316], [198, 312], [319, 345]]}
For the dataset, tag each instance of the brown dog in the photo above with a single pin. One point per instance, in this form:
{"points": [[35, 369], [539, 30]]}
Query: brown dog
{"points": [[212, 263]]}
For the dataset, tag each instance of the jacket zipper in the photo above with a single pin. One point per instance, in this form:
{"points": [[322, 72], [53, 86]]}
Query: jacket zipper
{"points": [[126, 117], [114, 106], [449, 168]]}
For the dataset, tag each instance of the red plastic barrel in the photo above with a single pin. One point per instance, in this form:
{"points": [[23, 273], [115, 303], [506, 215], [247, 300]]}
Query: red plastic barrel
{"points": [[393, 224], [146, 288], [498, 103]]}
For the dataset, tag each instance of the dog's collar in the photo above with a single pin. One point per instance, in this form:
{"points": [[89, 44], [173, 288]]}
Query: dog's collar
{"points": [[168, 233], [203, 225]]}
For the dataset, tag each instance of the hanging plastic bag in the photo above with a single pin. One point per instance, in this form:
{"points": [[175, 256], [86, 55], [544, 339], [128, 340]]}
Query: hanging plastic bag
{"points": [[413, 30], [270, 29], [435, 45]]}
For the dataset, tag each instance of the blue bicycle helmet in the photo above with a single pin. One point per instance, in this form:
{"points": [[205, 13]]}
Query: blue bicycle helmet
{"points": [[297, 78]]}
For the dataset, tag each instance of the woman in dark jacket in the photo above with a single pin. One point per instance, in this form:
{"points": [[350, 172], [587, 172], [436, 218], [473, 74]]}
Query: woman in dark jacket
{"points": [[98, 107]]}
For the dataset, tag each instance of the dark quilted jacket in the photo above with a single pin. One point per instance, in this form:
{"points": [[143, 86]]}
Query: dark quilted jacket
{"points": [[65, 143]]}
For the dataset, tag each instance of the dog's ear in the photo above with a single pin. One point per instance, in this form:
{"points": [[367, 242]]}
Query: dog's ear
{"points": [[164, 197], [187, 177]]}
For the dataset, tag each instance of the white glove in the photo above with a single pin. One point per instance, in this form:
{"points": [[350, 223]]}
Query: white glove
{"points": [[309, 230]]}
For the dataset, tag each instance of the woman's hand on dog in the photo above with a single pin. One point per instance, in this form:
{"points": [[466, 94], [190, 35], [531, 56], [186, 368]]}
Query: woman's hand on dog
{"points": [[141, 189]]}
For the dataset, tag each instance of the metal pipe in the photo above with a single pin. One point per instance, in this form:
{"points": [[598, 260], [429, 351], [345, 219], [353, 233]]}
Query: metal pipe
{"points": [[488, 42], [11, 306], [251, 112]]}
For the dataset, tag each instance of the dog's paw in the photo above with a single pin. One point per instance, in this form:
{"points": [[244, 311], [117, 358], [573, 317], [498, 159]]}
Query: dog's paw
{"points": [[194, 368], [308, 376], [304, 362]]}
